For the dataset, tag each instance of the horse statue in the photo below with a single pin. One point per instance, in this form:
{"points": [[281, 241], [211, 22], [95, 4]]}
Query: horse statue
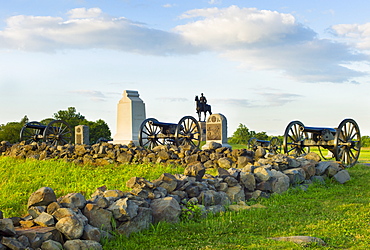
{"points": [[202, 106]]}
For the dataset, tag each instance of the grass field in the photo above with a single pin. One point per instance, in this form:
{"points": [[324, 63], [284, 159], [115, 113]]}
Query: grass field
{"points": [[338, 214]]}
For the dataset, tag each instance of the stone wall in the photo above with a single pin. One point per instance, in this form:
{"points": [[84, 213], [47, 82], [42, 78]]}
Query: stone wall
{"points": [[75, 220]]}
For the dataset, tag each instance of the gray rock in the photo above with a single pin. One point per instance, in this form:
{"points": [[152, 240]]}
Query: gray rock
{"points": [[259, 153], [248, 181], [231, 181], [342, 176], [321, 167], [71, 227], [296, 175], [82, 245], [225, 163], [63, 212], [142, 221], [7, 227], [165, 209], [91, 233], [196, 170], [98, 217], [236, 193], [12, 243], [313, 156], [280, 182], [51, 245], [123, 209], [35, 211], [262, 173], [139, 182], [42, 197], [45, 220], [73, 200]]}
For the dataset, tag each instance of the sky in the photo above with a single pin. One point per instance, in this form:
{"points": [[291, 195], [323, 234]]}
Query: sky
{"points": [[260, 63]]}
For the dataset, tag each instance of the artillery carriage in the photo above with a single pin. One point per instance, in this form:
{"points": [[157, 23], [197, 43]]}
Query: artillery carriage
{"points": [[273, 146], [342, 143], [153, 133], [57, 132]]}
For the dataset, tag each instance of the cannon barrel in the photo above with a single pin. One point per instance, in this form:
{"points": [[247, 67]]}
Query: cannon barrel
{"points": [[161, 124], [316, 129], [35, 126]]}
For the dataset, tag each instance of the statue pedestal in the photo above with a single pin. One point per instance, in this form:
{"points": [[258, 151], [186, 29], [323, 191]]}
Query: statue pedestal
{"points": [[130, 115], [203, 131]]}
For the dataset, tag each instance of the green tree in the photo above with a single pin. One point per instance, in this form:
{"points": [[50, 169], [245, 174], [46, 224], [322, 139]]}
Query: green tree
{"points": [[11, 131], [70, 116], [242, 135], [97, 129], [365, 141]]}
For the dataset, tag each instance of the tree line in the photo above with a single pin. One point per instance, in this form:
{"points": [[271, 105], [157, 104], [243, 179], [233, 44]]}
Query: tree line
{"points": [[97, 129]]}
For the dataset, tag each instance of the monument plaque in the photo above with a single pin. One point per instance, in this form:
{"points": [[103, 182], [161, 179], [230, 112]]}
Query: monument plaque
{"points": [[216, 130], [130, 115], [82, 135]]}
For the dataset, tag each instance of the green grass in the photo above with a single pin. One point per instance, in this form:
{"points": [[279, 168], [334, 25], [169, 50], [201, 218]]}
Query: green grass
{"points": [[20, 178], [338, 214]]}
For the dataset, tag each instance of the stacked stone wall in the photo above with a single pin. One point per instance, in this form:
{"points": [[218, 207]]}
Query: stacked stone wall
{"points": [[73, 220]]}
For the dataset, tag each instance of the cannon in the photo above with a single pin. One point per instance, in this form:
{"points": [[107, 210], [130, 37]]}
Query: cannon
{"points": [[273, 146], [342, 143], [57, 132], [153, 133]]}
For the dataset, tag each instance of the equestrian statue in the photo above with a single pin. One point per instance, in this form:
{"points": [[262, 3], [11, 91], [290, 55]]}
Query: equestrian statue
{"points": [[202, 106]]}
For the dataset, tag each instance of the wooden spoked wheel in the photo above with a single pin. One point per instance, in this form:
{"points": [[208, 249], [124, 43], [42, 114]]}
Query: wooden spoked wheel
{"points": [[347, 142], [32, 132], [58, 132], [148, 135], [275, 145], [294, 137], [188, 132], [253, 144]]}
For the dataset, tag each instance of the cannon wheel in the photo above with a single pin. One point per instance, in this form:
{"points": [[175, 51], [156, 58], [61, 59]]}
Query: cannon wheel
{"points": [[275, 145], [188, 132], [29, 134], [148, 135], [58, 132], [252, 144], [293, 139], [347, 142], [329, 155]]}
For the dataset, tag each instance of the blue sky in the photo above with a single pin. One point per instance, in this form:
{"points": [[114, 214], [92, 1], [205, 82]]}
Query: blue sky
{"points": [[262, 63]]}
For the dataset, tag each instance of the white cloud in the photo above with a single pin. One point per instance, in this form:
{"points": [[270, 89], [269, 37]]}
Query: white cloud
{"points": [[269, 40], [258, 39], [234, 27], [84, 13], [359, 34], [86, 29]]}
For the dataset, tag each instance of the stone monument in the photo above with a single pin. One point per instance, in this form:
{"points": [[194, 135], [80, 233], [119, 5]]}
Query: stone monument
{"points": [[130, 115], [82, 135], [216, 130]]}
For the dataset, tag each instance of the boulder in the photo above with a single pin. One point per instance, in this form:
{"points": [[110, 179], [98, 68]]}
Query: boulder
{"points": [[42, 197], [165, 209], [82, 245], [124, 209], [71, 227], [98, 217], [142, 221]]}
